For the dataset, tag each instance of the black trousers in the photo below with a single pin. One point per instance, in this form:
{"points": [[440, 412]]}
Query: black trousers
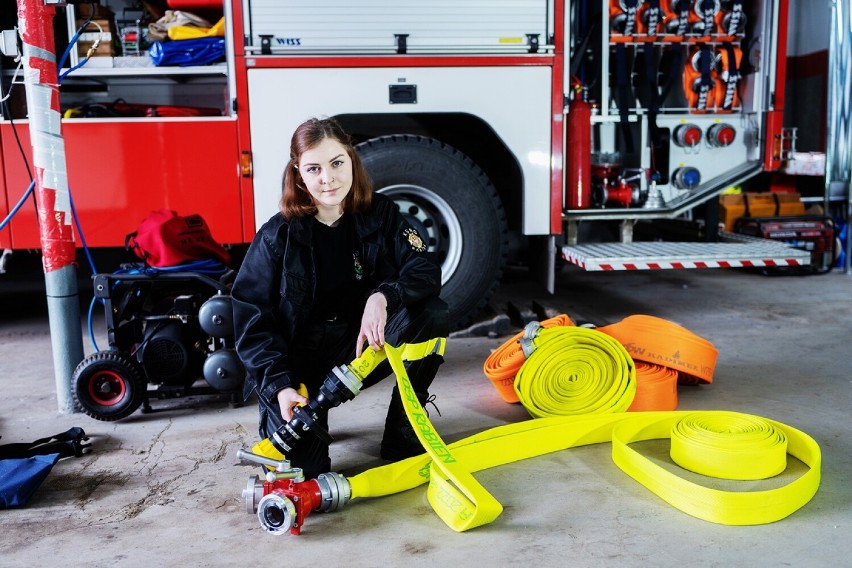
{"points": [[327, 344]]}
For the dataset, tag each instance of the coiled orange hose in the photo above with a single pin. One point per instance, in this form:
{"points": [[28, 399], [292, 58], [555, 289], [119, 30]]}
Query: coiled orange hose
{"points": [[661, 342], [656, 388], [503, 364]]}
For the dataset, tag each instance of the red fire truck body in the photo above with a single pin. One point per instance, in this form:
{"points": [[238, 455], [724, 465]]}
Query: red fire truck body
{"points": [[502, 128]]}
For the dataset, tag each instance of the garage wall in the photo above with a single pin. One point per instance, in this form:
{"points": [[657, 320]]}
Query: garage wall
{"points": [[807, 71]]}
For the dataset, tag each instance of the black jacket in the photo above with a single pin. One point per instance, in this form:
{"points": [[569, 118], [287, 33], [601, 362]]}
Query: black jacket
{"points": [[274, 291]]}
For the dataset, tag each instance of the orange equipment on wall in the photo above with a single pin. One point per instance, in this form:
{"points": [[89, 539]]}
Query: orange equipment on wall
{"points": [[700, 78], [727, 92], [622, 16]]}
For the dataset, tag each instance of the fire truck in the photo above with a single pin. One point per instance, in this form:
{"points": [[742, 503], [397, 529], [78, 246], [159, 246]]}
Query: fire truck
{"points": [[508, 131]]}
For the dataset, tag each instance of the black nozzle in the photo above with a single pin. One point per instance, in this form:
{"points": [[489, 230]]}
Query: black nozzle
{"points": [[339, 386]]}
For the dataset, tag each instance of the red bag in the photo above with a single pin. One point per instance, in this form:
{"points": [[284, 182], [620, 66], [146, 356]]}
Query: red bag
{"points": [[165, 238]]}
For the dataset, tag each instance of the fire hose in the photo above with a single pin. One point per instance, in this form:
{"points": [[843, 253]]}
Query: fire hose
{"points": [[657, 341], [573, 370], [503, 364], [645, 338], [727, 445]]}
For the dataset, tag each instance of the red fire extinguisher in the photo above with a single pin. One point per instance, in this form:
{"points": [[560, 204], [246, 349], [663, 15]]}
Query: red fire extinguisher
{"points": [[578, 173]]}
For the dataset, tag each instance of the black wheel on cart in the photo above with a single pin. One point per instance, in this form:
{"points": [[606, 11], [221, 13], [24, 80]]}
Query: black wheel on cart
{"points": [[455, 207], [109, 385]]}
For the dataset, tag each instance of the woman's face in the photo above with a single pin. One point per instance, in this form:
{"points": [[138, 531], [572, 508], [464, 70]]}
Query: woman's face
{"points": [[327, 172]]}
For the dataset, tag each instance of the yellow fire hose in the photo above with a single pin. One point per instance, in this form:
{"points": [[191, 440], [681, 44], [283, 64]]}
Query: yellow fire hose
{"points": [[720, 444], [574, 370], [717, 444]]}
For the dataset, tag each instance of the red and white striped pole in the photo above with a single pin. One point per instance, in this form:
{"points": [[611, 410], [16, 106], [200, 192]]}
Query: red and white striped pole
{"points": [[41, 81]]}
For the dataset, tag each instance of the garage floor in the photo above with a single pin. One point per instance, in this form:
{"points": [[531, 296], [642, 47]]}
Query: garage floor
{"points": [[164, 488]]}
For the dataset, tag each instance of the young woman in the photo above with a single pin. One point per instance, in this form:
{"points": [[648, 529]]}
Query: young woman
{"points": [[336, 271]]}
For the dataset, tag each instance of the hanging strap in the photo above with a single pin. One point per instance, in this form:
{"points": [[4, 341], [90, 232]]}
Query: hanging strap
{"points": [[682, 8], [705, 80], [732, 78], [70, 443], [622, 81], [706, 9], [630, 9], [652, 15], [735, 18]]}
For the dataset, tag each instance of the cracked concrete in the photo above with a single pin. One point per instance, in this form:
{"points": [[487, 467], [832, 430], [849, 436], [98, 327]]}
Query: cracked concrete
{"points": [[164, 488]]}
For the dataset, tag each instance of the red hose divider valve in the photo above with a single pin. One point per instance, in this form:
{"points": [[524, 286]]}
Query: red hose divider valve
{"points": [[283, 502]]}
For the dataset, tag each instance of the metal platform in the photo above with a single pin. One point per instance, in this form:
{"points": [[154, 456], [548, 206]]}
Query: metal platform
{"points": [[735, 251]]}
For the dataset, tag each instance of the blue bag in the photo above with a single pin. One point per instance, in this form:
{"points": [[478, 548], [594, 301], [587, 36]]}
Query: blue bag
{"points": [[187, 52], [24, 466], [19, 478]]}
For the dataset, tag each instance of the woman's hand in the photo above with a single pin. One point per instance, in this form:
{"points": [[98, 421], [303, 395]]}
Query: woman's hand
{"points": [[288, 399], [373, 324]]}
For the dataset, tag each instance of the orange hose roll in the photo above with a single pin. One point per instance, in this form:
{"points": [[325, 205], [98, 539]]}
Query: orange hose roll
{"points": [[656, 388], [503, 364], [661, 342]]}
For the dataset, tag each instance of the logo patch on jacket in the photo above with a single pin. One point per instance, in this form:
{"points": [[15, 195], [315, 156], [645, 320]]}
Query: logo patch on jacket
{"points": [[359, 269], [414, 240]]}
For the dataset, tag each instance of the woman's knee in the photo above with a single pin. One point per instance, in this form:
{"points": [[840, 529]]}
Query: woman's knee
{"points": [[418, 322]]}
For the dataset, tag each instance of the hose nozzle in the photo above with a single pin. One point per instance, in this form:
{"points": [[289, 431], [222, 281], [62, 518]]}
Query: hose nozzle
{"points": [[341, 384]]}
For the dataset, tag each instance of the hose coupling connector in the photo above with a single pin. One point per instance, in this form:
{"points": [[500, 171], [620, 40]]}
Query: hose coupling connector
{"points": [[531, 331]]}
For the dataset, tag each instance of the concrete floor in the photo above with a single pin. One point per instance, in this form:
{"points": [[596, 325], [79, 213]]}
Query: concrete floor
{"points": [[164, 488]]}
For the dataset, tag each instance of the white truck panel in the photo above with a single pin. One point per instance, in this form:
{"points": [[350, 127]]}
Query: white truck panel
{"points": [[342, 25], [513, 101], [711, 162]]}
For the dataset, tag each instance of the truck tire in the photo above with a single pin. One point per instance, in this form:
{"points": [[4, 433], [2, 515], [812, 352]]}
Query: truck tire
{"points": [[454, 206], [108, 385]]}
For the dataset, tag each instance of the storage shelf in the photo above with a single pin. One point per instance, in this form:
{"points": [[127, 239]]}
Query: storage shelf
{"points": [[94, 71]]}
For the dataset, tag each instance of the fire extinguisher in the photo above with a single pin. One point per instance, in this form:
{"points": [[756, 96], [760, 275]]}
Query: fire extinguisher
{"points": [[578, 182]]}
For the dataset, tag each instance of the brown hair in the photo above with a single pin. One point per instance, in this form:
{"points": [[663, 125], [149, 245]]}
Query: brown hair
{"points": [[296, 201]]}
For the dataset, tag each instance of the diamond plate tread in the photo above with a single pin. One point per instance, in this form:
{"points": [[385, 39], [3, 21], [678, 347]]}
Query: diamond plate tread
{"points": [[682, 255]]}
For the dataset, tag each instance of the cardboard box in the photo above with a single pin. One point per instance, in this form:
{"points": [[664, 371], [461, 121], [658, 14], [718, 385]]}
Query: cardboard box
{"points": [[770, 204], [95, 10], [106, 47]]}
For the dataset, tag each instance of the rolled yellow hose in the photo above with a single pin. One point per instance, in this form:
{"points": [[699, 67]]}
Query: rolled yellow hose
{"points": [[575, 370], [504, 363]]}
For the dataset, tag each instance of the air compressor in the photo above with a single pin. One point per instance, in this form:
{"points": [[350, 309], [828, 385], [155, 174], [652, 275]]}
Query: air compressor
{"points": [[167, 330]]}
